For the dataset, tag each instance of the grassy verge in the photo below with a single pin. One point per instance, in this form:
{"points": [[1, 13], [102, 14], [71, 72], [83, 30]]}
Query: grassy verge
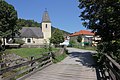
{"points": [[59, 58], [27, 52], [86, 47]]}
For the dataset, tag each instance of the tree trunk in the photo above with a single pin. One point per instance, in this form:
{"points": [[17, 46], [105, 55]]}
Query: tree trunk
{"points": [[3, 44]]}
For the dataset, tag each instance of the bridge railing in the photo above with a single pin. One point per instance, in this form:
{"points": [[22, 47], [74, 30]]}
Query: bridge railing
{"points": [[113, 68], [24, 69]]}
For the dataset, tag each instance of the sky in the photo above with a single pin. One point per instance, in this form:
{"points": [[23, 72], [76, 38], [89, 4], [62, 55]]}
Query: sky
{"points": [[64, 14]]}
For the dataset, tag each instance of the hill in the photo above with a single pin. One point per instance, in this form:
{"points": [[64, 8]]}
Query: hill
{"points": [[31, 23]]}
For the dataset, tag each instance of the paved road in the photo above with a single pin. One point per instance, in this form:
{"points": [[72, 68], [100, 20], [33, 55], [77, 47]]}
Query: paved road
{"points": [[77, 66]]}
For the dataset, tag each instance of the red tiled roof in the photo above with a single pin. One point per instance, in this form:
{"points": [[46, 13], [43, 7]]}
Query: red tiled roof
{"points": [[82, 32]]}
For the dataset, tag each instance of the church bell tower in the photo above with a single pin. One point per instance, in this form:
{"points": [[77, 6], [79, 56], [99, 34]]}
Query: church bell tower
{"points": [[46, 26]]}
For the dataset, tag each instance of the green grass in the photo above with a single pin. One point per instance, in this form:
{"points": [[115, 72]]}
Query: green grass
{"points": [[27, 52], [86, 47], [59, 58]]}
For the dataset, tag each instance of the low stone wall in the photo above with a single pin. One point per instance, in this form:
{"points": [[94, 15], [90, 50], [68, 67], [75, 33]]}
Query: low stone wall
{"points": [[59, 52], [33, 46]]}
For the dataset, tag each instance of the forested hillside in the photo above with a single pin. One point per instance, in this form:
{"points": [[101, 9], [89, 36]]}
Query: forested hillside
{"points": [[31, 23]]}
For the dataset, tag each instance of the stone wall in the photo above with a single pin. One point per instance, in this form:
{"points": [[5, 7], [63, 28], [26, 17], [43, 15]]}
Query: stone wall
{"points": [[32, 46]]}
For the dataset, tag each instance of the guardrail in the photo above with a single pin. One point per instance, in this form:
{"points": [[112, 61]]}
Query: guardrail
{"points": [[25, 69], [112, 67]]}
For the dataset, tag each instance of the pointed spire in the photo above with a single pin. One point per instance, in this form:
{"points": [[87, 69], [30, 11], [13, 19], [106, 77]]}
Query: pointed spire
{"points": [[45, 9], [45, 17]]}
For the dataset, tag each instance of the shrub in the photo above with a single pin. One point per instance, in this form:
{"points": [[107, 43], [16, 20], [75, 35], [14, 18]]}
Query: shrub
{"points": [[72, 43], [110, 48], [19, 41]]}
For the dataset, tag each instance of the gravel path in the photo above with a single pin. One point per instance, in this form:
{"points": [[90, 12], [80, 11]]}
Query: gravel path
{"points": [[77, 66]]}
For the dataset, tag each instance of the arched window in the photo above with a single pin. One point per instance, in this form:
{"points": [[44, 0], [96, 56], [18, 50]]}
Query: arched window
{"points": [[28, 40], [46, 25]]}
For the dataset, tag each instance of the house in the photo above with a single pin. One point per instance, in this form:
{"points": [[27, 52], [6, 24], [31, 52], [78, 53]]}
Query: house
{"points": [[36, 35], [86, 35]]}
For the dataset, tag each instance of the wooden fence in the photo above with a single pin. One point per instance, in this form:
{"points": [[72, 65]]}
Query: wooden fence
{"points": [[22, 70], [112, 67]]}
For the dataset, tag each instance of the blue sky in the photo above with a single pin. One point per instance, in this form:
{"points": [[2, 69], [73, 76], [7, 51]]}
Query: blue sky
{"points": [[64, 14]]}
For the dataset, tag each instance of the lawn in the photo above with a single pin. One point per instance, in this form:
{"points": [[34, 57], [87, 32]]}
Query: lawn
{"points": [[27, 52]]}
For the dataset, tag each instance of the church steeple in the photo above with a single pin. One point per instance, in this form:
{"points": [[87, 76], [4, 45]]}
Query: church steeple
{"points": [[46, 26], [45, 17]]}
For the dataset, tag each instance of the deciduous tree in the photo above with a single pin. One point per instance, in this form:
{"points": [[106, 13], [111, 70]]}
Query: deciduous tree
{"points": [[8, 18], [57, 37], [79, 39], [102, 16]]}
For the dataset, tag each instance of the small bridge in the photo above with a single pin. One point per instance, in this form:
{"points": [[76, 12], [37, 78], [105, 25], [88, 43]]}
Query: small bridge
{"points": [[79, 65]]}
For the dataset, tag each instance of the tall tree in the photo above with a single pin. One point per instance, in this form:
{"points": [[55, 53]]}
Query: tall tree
{"points": [[103, 17], [8, 18], [57, 37]]}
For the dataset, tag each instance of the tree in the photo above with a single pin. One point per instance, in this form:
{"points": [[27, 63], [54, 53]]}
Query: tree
{"points": [[8, 18], [79, 39], [103, 17], [27, 23], [72, 43], [57, 37]]}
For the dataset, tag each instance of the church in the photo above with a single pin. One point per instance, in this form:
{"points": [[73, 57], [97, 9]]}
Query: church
{"points": [[34, 35], [37, 35]]}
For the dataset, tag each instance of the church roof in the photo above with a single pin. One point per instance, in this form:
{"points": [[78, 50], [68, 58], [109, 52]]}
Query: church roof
{"points": [[31, 32], [45, 17]]}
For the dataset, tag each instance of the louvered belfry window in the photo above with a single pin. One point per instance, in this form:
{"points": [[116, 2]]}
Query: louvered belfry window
{"points": [[46, 25]]}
